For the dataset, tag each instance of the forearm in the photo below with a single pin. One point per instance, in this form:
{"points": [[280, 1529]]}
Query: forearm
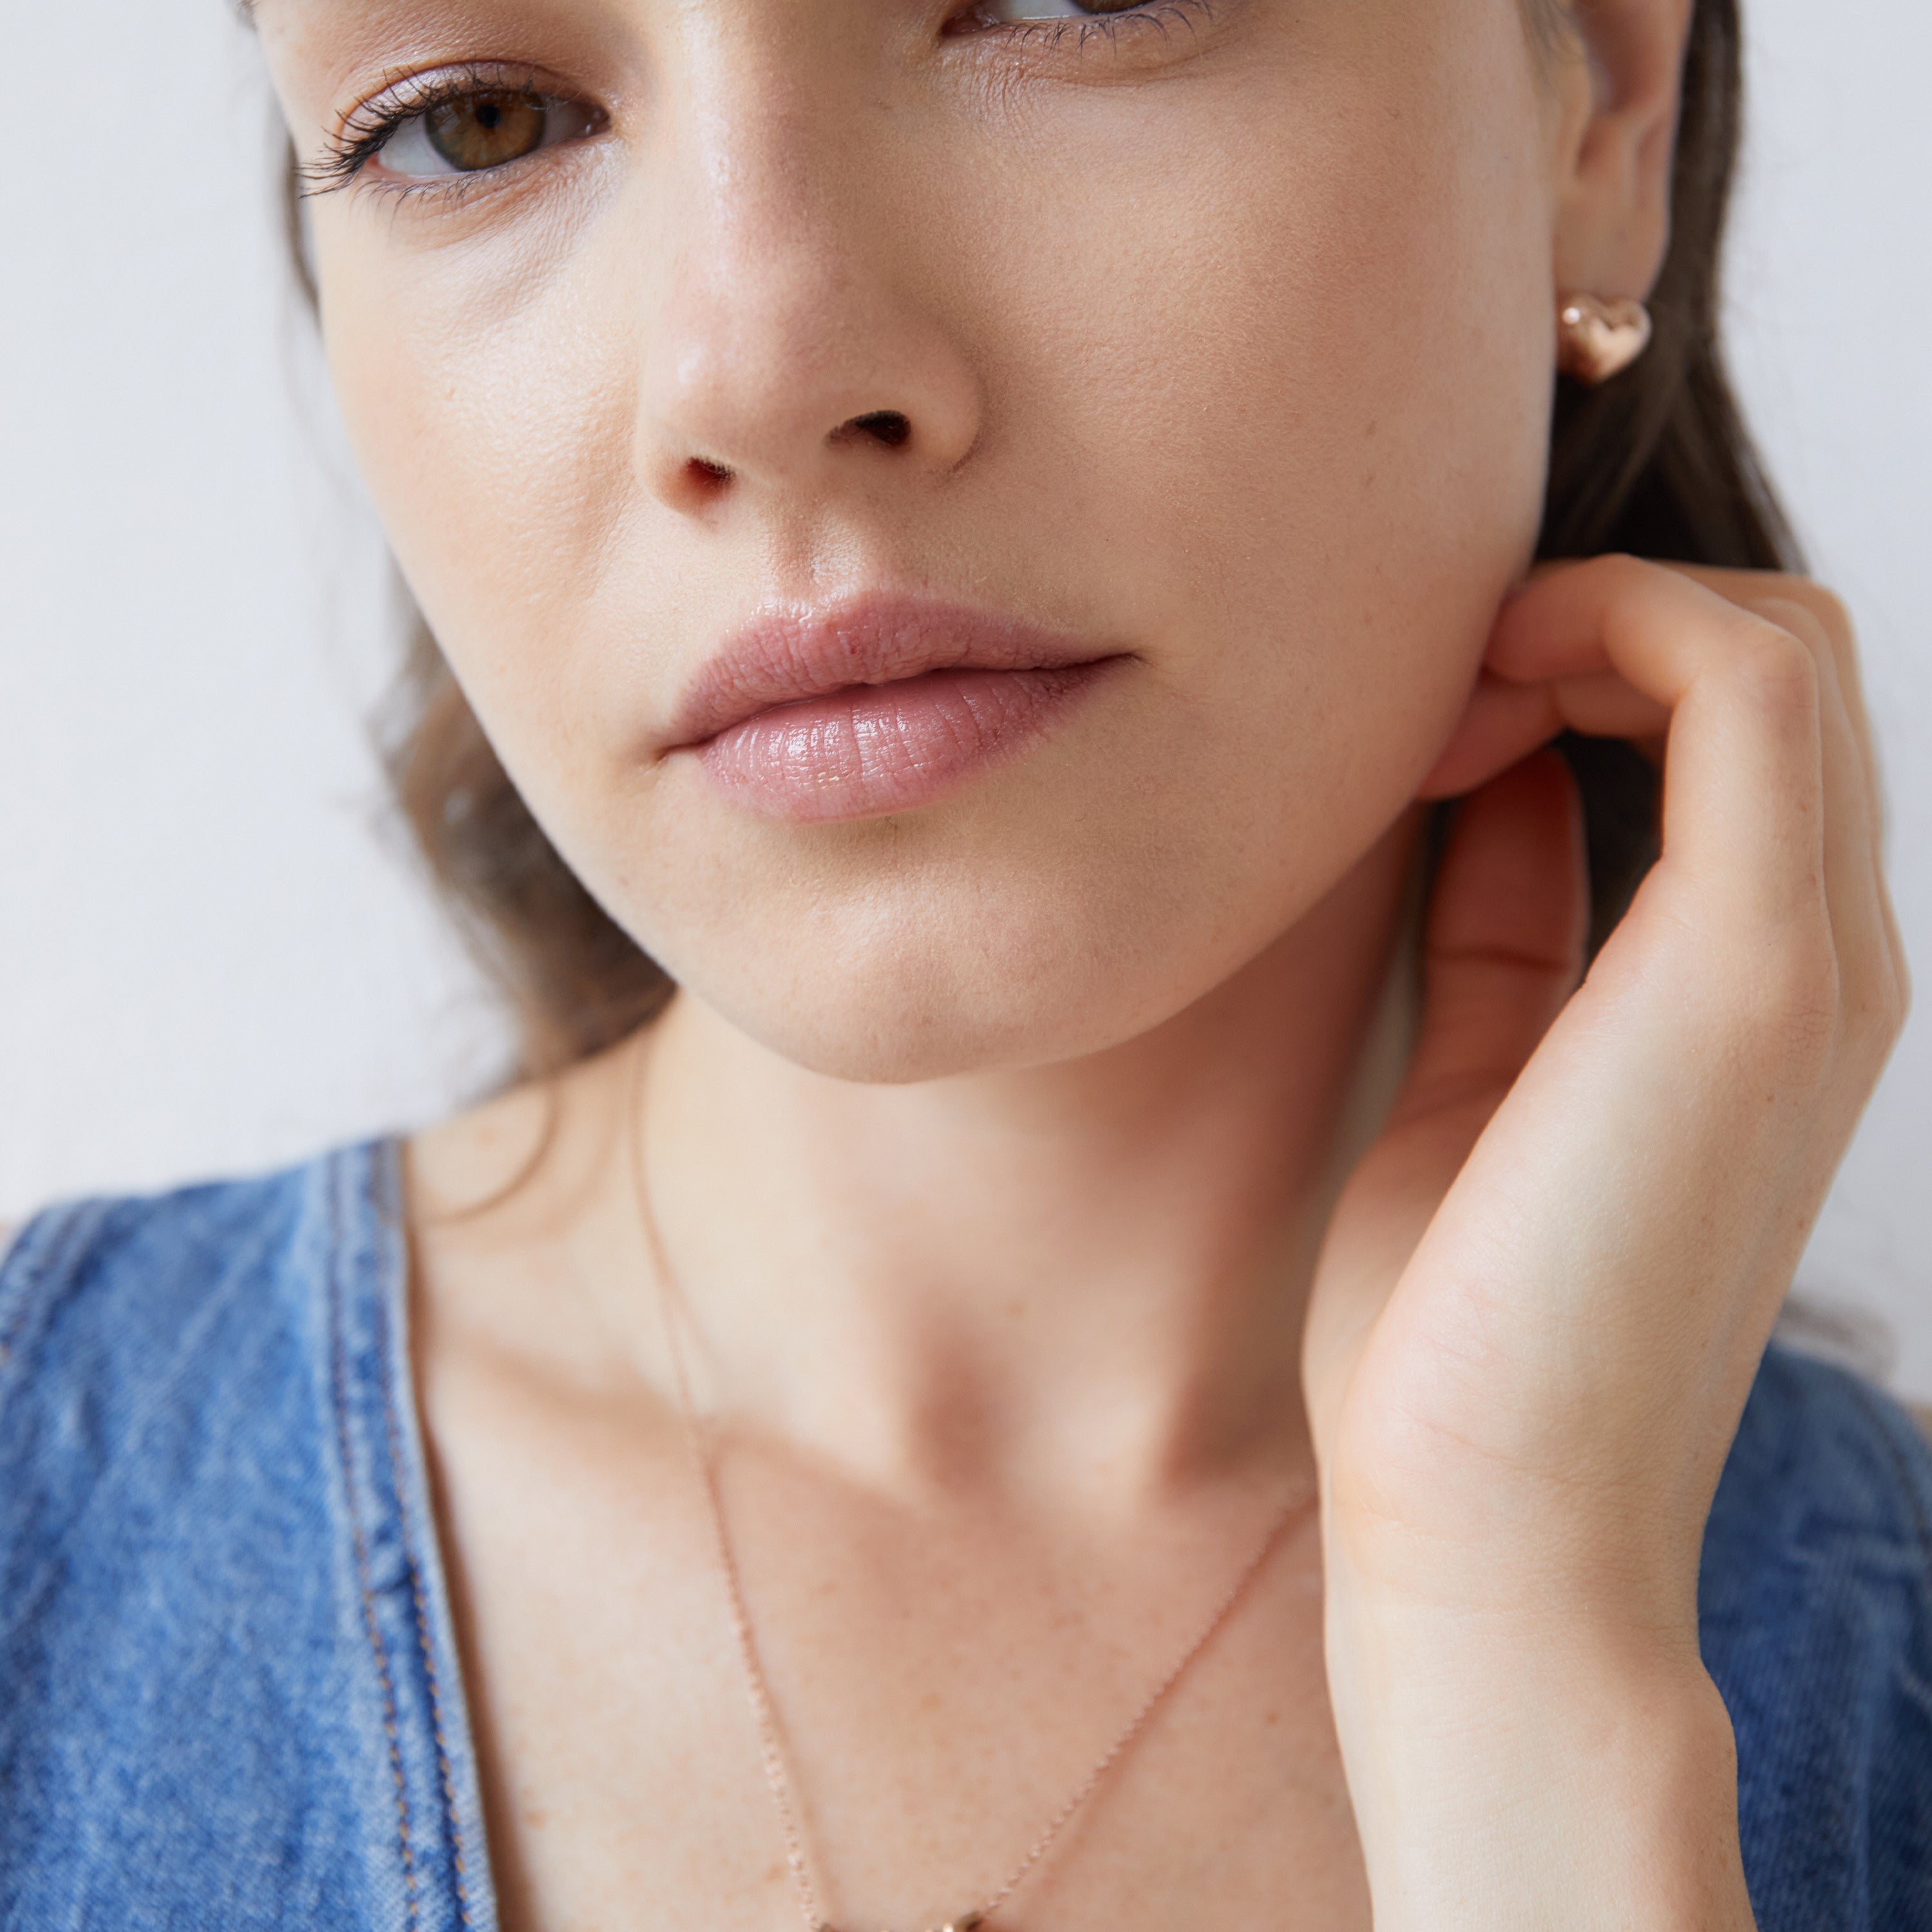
{"points": [[1507, 1777]]}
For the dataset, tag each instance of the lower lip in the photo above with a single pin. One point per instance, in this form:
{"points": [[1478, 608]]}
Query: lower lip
{"points": [[876, 748]]}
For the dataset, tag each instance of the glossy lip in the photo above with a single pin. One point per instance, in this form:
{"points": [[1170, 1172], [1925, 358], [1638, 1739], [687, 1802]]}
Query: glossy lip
{"points": [[876, 703], [787, 656]]}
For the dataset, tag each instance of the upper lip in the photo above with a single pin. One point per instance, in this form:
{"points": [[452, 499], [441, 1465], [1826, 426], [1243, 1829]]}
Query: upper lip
{"points": [[787, 655]]}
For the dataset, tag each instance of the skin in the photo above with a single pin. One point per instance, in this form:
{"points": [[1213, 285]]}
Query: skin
{"points": [[996, 1145]]}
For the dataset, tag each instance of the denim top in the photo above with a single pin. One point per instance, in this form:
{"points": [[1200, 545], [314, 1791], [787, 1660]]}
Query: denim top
{"points": [[230, 1694]]}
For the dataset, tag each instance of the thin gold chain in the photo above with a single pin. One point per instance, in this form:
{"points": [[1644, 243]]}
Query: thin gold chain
{"points": [[674, 1312]]}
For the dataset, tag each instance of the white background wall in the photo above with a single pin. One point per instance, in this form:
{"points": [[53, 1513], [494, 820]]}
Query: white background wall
{"points": [[213, 956]]}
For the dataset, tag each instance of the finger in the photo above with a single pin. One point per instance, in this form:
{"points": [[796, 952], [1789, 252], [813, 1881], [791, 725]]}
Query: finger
{"points": [[1863, 930], [1502, 944], [1827, 620], [1754, 587], [1503, 947], [1505, 720], [1855, 794], [1743, 807]]}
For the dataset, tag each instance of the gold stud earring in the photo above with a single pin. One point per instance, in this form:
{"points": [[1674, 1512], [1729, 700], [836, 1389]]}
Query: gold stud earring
{"points": [[1596, 340]]}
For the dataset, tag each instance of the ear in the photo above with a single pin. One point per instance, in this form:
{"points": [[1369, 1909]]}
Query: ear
{"points": [[1619, 77]]}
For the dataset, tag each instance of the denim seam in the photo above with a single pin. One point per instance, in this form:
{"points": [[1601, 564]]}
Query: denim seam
{"points": [[394, 1434], [371, 1627]]}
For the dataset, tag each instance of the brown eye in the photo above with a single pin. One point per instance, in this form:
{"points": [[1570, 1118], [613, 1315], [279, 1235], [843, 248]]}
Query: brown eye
{"points": [[471, 131], [484, 131]]}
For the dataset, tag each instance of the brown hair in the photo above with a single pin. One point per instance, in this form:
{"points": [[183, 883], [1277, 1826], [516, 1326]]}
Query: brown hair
{"points": [[1656, 462]]}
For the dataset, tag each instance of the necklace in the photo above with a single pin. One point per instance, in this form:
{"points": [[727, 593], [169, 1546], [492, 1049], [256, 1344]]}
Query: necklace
{"points": [[699, 1446]]}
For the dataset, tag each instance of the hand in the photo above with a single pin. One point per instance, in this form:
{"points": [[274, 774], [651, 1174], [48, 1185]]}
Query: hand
{"points": [[1546, 1289]]}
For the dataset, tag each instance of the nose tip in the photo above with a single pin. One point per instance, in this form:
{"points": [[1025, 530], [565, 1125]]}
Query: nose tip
{"points": [[795, 353]]}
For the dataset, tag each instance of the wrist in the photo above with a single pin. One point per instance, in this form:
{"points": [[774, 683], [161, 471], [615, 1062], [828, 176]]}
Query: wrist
{"points": [[1504, 1776]]}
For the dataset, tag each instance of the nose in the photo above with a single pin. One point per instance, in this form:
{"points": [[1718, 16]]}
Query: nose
{"points": [[801, 345]]}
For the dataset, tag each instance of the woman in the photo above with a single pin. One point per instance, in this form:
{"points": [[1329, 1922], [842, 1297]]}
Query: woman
{"points": [[981, 535]]}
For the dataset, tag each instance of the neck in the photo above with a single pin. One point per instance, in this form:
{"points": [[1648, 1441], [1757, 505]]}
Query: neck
{"points": [[1086, 1278]]}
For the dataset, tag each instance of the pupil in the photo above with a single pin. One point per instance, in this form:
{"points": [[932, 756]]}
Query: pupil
{"points": [[484, 131]]}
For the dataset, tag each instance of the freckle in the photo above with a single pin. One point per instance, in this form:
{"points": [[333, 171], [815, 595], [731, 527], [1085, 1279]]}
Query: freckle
{"points": [[930, 1701], [536, 1820], [1273, 1717]]}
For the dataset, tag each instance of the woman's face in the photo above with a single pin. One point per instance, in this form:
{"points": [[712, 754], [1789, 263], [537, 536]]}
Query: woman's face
{"points": [[1186, 368]]}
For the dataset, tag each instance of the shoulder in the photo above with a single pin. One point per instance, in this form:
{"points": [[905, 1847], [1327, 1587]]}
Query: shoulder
{"points": [[154, 1349], [212, 1603], [1815, 1605], [151, 1347], [142, 1282]]}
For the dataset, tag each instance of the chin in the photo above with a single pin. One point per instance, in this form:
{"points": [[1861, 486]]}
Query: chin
{"points": [[928, 979], [1081, 901], [906, 1019], [896, 997]]}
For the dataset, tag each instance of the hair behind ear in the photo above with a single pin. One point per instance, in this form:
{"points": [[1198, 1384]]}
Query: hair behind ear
{"points": [[1657, 461]]}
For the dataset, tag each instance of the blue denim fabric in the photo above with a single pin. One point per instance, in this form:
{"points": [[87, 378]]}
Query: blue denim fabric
{"points": [[229, 1690], [230, 1697]]}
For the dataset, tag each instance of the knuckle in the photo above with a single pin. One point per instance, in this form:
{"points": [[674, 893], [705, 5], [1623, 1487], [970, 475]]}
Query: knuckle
{"points": [[1751, 589], [1797, 619], [1622, 571], [1616, 574], [1825, 605], [1774, 669]]}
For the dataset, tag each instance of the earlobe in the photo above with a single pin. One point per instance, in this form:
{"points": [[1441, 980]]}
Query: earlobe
{"points": [[1613, 218]]}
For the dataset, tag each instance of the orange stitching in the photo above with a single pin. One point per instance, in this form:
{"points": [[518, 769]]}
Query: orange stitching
{"points": [[370, 1624]]}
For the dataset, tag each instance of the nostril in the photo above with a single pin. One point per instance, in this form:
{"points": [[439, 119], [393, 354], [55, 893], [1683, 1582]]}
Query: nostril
{"points": [[885, 426], [706, 479]]}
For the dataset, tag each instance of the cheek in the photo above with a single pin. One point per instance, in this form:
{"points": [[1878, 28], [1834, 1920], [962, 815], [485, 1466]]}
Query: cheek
{"points": [[1280, 406], [488, 387], [1304, 404], [1273, 408]]}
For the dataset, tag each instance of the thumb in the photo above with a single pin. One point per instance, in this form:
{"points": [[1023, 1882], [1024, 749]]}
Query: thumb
{"points": [[1502, 950]]}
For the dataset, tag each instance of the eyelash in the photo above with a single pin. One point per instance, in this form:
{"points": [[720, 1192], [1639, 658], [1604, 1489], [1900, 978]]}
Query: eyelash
{"points": [[373, 125], [376, 121]]}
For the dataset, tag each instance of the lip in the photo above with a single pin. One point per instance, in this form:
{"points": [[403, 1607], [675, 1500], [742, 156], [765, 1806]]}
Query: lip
{"points": [[875, 704]]}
